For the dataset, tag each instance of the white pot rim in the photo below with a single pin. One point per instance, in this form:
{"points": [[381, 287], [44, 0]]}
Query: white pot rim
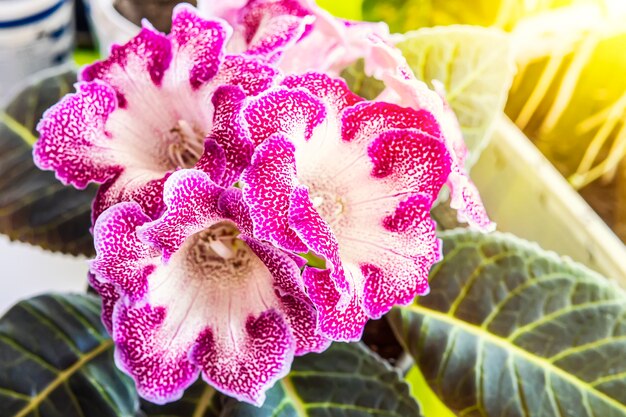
{"points": [[106, 8], [22, 12]]}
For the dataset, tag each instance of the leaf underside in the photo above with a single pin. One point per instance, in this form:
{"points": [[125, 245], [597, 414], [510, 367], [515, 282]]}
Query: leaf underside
{"points": [[34, 206], [512, 330], [56, 360]]}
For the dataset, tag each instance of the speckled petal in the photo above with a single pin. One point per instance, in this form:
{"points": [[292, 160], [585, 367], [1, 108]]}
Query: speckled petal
{"points": [[122, 259], [340, 324], [294, 112], [109, 296], [74, 141], [212, 161], [364, 121], [395, 259], [150, 351], [407, 161], [251, 74], [270, 26], [145, 57], [333, 91], [246, 370], [229, 132], [148, 195], [191, 200], [298, 309], [198, 44], [267, 185]]}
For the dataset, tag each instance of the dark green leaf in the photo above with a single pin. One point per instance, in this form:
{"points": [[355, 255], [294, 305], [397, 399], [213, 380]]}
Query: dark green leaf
{"points": [[34, 206], [346, 380], [512, 330], [56, 360], [200, 400]]}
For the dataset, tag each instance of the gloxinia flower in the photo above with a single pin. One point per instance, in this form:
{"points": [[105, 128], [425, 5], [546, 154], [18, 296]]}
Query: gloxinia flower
{"points": [[287, 31], [145, 111], [193, 292], [353, 182]]}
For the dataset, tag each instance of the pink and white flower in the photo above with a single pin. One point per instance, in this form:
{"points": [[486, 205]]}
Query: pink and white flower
{"points": [[145, 111], [193, 292], [297, 35], [353, 182], [338, 44]]}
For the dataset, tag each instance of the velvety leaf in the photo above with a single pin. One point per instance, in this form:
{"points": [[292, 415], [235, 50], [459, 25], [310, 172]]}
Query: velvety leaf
{"points": [[512, 330], [200, 400], [56, 360], [346, 380], [475, 66], [34, 206]]}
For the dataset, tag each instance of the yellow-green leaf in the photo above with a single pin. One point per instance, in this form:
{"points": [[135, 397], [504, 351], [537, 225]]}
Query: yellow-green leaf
{"points": [[475, 66]]}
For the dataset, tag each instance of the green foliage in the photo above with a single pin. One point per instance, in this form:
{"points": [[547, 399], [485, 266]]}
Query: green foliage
{"points": [[345, 380], [200, 400], [432, 405], [475, 65], [34, 206], [56, 360], [510, 329]]}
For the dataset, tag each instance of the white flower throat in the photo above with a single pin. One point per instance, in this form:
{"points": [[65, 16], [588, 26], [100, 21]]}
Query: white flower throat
{"points": [[187, 145]]}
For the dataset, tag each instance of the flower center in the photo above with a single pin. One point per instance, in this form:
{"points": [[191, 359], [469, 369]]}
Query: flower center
{"points": [[329, 205], [187, 145], [218, 254]]}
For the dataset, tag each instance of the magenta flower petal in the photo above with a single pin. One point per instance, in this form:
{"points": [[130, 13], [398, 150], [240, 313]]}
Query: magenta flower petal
{"points": [[109, 295], [149, 349], [300, 313], [122, 259], [267, 184], [147, 56], [334, 92], [342, 324], [228, 131], [365, 120], [199, 43], [191, 200], [292, 111], [149, 196], [82, 117], [263, 352], [269, 26], [317, 234], [192, 292], [404, 89]]}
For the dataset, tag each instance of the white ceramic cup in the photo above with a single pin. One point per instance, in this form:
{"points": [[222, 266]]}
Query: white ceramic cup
{"points": [[34, 34], [109, 26]]}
